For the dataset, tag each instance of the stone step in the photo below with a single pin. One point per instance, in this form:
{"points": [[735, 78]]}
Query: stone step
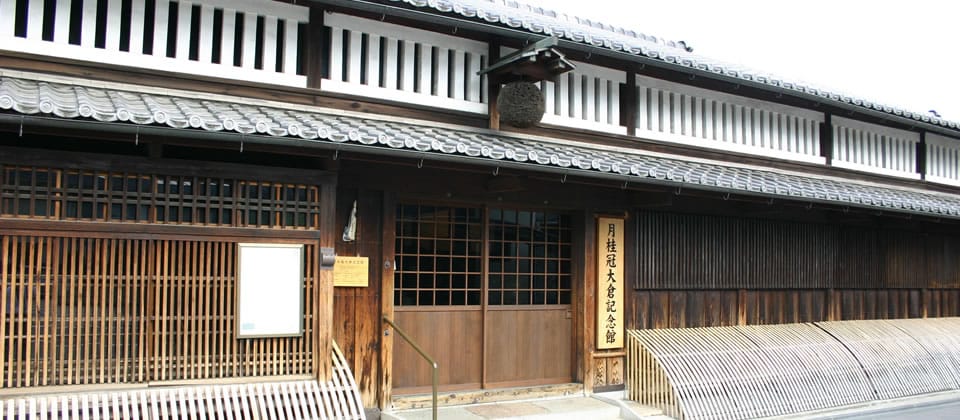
{"points": [[575, 408]]}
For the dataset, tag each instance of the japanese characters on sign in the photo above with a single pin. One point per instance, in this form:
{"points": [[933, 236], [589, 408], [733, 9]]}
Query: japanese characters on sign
{"points": [[610, 283], [351, 272]]}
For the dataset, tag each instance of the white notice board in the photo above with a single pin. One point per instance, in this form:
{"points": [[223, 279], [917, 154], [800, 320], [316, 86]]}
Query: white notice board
{"points": [[270, 289]]}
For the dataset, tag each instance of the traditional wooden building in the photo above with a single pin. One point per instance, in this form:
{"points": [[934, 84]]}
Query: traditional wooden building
{"points": [[176, 177]]}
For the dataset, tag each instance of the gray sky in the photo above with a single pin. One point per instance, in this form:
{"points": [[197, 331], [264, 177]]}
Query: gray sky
{"points": [[899, 53]]}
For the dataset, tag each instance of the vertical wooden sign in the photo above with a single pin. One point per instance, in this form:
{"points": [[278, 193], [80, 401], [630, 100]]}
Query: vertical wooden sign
{"points": [[610, 283]]}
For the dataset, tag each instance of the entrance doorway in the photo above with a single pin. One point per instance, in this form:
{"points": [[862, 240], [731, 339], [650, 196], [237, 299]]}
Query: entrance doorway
{"points": [[486, 292]]}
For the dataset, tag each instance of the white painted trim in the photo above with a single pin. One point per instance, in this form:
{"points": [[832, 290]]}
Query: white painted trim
{"points": [[352, 23], [263, 7], [873, 169], [730, 147], [35, 19], [205, 50], [137, 10], [113, 25], [875, 128], [582, 124], [88, 24], [160, 28], [725, 97], [943, 180], [269, 58], [291, 34], [184, 18], [592, 70], [227, 47], [8, 16], [941, 140], [403, 96]]}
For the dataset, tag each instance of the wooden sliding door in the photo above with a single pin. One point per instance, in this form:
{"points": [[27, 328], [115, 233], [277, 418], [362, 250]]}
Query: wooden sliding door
{"points": [[486, 292]]}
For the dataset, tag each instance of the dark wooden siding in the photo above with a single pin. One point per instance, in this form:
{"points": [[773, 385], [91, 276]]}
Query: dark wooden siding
{"points": [[701, 271], [713, 252]]}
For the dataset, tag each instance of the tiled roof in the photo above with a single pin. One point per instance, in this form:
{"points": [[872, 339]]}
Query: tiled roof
{"points": [[517, 15], [70, 99]]}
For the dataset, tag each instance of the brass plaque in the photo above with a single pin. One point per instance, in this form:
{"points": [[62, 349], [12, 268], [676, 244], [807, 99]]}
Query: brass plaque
{"points": [[351, 272]]}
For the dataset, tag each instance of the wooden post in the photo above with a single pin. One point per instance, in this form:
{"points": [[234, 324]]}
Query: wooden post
{"points": [[628, 104], [587, 302], [493, 86], [922, 155], [826, 139], [388, 252], [313, 67], [324, 287]]}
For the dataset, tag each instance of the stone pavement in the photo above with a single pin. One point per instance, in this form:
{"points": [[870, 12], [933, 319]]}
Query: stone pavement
{"points": [[566, 408]]}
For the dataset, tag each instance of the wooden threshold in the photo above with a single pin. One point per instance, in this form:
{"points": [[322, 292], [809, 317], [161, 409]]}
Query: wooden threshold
{"points": [[480, 396]]}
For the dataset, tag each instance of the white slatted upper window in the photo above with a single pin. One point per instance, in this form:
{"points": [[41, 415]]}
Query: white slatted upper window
{"points": [[874, 148], [684, 114], [382, 60], [943, 159], [252, 40], [587, 97]]}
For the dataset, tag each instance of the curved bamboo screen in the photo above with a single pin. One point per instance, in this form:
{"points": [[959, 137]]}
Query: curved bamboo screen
{"points": [[337, 398], [759, 371]]}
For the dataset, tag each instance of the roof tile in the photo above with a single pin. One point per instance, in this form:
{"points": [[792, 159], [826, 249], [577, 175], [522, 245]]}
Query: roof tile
{"points": [[62, 100]]}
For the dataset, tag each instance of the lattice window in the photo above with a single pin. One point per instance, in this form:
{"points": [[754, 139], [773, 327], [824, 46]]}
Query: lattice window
{"points": [[529, 258], [440, 257], [439, 254], [71, 194], [110, 310]]}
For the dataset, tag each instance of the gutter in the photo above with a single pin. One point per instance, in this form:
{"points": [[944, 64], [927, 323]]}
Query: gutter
{"points": [[239, 140], [436, 18]]}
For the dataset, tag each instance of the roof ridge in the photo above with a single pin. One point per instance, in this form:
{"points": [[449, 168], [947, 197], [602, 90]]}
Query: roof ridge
{"points": [[594, 24]]}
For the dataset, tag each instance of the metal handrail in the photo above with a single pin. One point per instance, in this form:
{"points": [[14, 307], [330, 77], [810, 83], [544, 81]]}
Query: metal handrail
{"points": [[433, 363]]}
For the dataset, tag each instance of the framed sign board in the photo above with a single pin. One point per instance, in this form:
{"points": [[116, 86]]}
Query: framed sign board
{"points": [[270, 290], [610, 283]]}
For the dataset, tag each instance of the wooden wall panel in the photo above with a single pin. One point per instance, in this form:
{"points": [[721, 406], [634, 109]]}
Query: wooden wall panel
{"points": [[708, 308], [357, 310], [528, 346], [680, 251], [463, 331]]}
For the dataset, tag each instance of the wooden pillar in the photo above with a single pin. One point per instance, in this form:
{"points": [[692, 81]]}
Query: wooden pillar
{"points": [[587, 302], [922, 155], [628, 104], [324, 287], [493, 86], [826, 139], [315, 48], [388, 252]]}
